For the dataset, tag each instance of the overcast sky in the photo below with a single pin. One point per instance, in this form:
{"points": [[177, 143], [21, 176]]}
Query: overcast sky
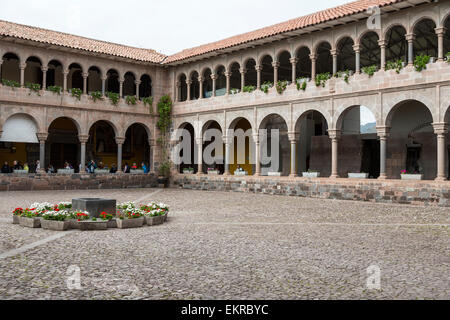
{"points": [[167, 26]]}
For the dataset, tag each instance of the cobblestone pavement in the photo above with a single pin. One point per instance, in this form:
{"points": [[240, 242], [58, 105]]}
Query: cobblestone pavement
{"points": [[219, 245]]}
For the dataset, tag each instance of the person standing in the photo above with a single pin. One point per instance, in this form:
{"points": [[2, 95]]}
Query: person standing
{"points": [[6, 168], [144, 167], [127, 168]]}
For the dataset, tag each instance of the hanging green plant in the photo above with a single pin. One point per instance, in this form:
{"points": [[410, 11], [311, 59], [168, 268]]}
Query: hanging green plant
{"points": [[34, 87], [322, 78], [55, 89], [234, 91], [447, 57], [96, 95], [266, 86], [395, 65], [281, 86], [421, 61], [345, 75], [10, 83], [370, 70], [163, 124], [249, 89], [76, 93], [131, 100], [113, 97], [301, 83]]}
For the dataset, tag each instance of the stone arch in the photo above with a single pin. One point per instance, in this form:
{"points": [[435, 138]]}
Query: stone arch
{"points": [[281, 50], [300, 47], [236, 119], [398, 104], [263, 55], [365, 33], [129, 124], [231, 63], [10, 69], [396, 44], [426, 40], [263, 119], [427, 15], [396, 100], [111, 123], [343, 107], [341, 38], [345, 54], [28, 123], [324, 62], [52, 119], [342, 114]]}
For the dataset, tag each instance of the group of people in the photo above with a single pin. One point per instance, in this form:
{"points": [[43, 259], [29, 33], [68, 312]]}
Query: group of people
{"points": [[17, 165], [90, 167]]}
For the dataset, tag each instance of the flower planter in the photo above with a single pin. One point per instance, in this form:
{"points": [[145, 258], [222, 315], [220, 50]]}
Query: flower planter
{"points": [[55, 225], [241, 173], [213, 172], [93, 225], [101, 171], [66, 171], [130, 223], [112, 224], [165, 217], [16, 219], [358, 175], [73, 224], [274, 174], [311, 174], [188, 172], [412, 176], [30, 222], [22, 172], [137, 171], [154, 221]]}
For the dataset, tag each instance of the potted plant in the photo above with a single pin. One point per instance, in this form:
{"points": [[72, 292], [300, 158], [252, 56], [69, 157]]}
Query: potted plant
{"points": [[311, 174], [112, 222], [163, 124], [188, 171], [56, 220], [130, 218], [360, 175], [77, 217], [411, 176], [274, 174], [155, 213], [213, 172], [30, 218], [93, 224], [16, 214]]}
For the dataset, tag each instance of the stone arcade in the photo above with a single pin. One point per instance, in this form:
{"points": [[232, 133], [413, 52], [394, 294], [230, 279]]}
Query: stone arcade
{"points": [[381, 114]]}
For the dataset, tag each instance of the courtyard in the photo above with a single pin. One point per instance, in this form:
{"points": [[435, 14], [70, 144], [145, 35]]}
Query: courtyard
{"points": [[220, 245]]}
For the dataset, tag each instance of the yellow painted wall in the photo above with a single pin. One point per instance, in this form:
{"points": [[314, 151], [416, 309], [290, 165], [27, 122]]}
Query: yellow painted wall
{"points": [[19, 155], [247, 166]]}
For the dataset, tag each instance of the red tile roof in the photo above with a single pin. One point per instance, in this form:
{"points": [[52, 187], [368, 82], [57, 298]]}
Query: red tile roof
{"points": [[15, 30], [75, 42], [291, 25]]}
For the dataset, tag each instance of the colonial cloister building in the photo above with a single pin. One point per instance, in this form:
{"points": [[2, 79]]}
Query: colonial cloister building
{"points": [[312, 78]]}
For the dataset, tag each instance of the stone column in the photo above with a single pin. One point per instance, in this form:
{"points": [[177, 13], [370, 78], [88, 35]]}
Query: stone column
{"points": [[214, 78], [83, 140], [258, 69], [22, 67], [334, 54], [152, 144], [243, 72], [410, 38], [257, 154], [65, 74], [275, 66], [200, 85], [200, 155], [440, 129], [188, 85], [334, 136], [104, 78], [356, 48], [120, 141], [121, 81], [177, 91], [383, 133], [293, 62], [1, 62], [440, 33], [228, 76], [293, 138], [42, 137], [85, 77], [382, 44], [137, 83], [44, 77], [228, 143], [313, 58]]}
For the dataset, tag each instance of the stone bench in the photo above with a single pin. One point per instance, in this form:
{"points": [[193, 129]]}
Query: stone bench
{"points": [[66, 171]]}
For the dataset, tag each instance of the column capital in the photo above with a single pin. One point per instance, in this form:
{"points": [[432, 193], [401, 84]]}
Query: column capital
{"points": [[66, 72], [334, 134], [410, 37], [120, 140], [200, 79], [334, 52], [214, 76], [382, 43], [189, 82], [42, 137], [276, 64], [293, 136], [83, 138], [243, 70], [228, 74], [357, 48], [85, 75], [313, 56], [383, 132], [137, 82], [22, 65], [104, 78], [121, 80], [440, 128], [440, 30], [152, 142], [44, 69], [258, 67], [293, 60]]}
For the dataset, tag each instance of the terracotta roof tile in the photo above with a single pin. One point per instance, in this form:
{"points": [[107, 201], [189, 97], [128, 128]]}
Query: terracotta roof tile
{"points": [[76, 42], [291, 25]]}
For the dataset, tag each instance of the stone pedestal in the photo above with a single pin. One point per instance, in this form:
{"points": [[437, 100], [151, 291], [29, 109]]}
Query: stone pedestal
{"points": [[95, 206]]}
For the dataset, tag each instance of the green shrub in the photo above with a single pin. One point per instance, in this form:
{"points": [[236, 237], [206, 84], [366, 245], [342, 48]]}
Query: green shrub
{"points": [[113, 97], [344, 75], [55, 89], [96, 95], [34, 87], [10, 83], [249, 89], [322, 78], [266, 86], [281, 86], [76, 93], [370, 70], [131, 100], [395, 65], [301, 83], [421, 61]]}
